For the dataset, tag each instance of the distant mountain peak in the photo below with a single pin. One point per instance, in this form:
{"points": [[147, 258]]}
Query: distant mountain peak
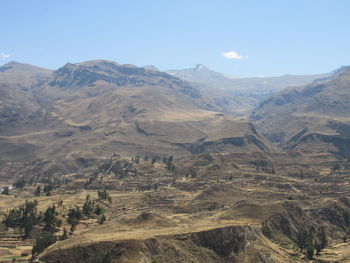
{"points": [[92, 73], [199, 74], [151, 67], [96, 61], [200, 66], [16, 72], [15, 64]]}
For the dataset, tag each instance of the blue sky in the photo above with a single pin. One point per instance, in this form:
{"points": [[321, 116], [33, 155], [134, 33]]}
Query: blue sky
{"points": [[259, 38]]}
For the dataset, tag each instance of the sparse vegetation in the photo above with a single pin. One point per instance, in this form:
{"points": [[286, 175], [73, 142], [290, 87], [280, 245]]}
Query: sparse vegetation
{"points": [[104, 195], [263, 165], [74, 216], [102, 219], [102, 161], [46, 239], [64, 235], [6, 190], [37, 191], [157, 185], [24, 217], [50, 219], [19, 184]]}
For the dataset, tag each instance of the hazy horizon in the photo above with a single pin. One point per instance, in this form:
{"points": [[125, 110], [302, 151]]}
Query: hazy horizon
{"points": [[237, 38]]}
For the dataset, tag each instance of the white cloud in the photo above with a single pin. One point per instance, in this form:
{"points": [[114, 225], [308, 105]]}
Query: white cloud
{"points": [[232, 55], [4, 56]]}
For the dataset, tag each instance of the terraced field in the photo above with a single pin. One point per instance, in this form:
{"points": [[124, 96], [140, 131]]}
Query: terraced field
{"points": [[151, 202]]}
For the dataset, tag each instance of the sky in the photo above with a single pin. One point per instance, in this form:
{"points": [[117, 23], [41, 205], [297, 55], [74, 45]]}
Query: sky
{"points": [[239, 38]]}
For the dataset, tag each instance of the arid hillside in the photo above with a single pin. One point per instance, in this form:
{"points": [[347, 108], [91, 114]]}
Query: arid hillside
{"points": [[102, 162], [235, 95], [310, 118], [97, 108], [238, 207]]}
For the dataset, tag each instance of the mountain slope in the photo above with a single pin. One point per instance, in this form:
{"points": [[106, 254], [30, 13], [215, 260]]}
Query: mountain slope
{"points": [[314, 117], [21, 75], [21, 110], [98, 108], [235, 95]]}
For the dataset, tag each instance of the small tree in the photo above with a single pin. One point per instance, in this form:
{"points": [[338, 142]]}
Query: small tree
{"points": [[50, 219], [346, 217], [37, 191], [19, 184], [29, 223], [88, 206], [104, 195], [64, 234], [24, 217], [47, 189], [303, 239], [74, 215], [6, 190], [323, 238], [193, 172], [98, 210], [318, 248], [310, 251], [102, 219], [335, 168], [46, 239]]}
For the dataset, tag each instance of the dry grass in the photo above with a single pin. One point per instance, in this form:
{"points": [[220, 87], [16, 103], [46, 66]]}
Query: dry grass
{"points": [[227, 191]]}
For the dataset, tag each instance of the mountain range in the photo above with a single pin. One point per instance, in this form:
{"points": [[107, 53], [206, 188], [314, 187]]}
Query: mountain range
{"points": [[98, 108], [239, 96], [311, 117], [148, 166]]}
